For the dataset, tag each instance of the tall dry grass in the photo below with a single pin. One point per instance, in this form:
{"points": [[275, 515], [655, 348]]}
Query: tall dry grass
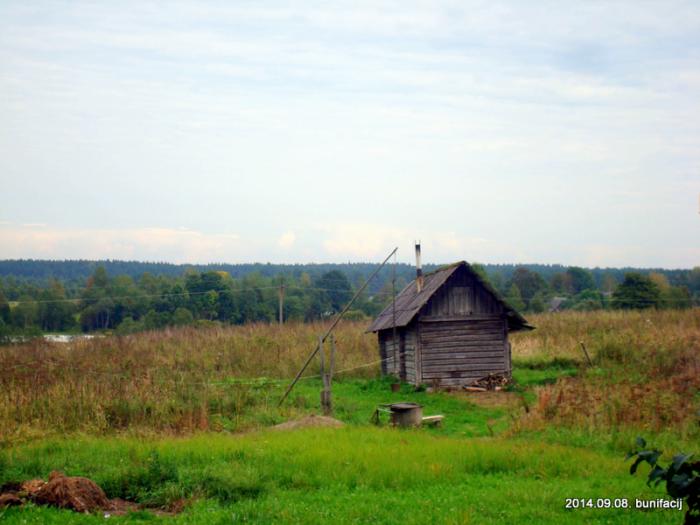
{"points": [[182, 380], [558, 335], [173, 380], [646, 373]]}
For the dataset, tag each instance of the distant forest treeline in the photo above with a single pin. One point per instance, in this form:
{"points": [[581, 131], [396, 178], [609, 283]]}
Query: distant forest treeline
{"points": [[40, 272], [128, 296]]}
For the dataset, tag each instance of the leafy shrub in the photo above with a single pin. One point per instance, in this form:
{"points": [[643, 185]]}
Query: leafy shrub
{"points": [[682, 477]]}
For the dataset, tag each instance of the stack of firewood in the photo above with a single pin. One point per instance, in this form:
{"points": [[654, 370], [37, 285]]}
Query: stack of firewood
{"points": [[489, 382]]}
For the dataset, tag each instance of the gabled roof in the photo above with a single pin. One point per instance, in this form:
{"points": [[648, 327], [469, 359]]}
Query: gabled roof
{"points": [[409, 301]]}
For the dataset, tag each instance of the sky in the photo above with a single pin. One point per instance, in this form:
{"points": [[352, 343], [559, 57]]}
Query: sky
{"points": [[496, 132]]}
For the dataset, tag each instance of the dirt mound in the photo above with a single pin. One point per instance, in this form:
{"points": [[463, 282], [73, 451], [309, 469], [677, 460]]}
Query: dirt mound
{"points": [[31, 486], [9, 499], [309, 421], [76, 493]]}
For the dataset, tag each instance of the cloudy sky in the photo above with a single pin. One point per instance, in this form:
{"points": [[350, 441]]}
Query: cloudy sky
{"points": [[230, 131]]}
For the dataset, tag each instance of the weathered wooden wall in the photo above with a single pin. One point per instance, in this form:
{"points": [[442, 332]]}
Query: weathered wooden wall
{"points": [[410, 342], [459, 352], [400, 360], [458, 336], [462, 295]]}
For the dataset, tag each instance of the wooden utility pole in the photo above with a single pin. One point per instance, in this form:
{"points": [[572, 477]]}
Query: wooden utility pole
{"points": [[281, 303], [332, 326], [394, 345], [327, 376], [585, 352]]}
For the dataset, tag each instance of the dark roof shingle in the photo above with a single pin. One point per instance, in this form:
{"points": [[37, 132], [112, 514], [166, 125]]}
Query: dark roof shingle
{"points": [[409, 301]]}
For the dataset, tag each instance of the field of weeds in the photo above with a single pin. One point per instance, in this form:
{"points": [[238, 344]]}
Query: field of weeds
{"points": [[179, 418]]}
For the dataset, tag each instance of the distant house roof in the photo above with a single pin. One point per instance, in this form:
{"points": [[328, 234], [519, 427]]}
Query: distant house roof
{"points": [[555, 303], [409, 301]]}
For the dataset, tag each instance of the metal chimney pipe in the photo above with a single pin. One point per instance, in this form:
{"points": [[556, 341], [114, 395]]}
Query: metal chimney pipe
{"points": [[419, 269]]}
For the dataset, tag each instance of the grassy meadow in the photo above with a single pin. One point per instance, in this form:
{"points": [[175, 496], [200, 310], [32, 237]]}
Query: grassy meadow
{"points": [[179, 420]]}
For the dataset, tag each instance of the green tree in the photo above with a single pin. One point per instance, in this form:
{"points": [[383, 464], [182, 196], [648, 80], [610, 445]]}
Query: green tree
{"points": [[562, 283], [677, 297], [514, 298], [497, 281], [529, 283], [97, 307], [336, 288], [538, 303], [637, 291], [56, 313], [694, 280], [203, 290], [608, 283], [26, 313], [182, 316], [588, 300], [581, 279], [4, 309], [129, 326]]}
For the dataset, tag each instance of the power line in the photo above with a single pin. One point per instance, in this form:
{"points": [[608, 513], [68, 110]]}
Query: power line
{"points": [[183, 294]]}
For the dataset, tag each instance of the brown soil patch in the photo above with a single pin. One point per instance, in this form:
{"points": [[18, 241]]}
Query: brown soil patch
{"points": [[120, 506], [9, 499], [76, 493], [308, 422], [32, 486]]}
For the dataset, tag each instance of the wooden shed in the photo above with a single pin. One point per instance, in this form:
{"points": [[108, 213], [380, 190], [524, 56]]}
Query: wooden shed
{"points": [[451, 329]]}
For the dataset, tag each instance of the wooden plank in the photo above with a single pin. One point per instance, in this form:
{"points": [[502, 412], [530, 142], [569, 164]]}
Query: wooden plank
{"points": [[457, 343], [434, 338], [460, 343], [459, 318], [467, 374], [461, 346], [457, 371], [476, 359], [500, 358], [463, 367], [419, 355], [457, 381], [462, 332], [463, 354], [463, 326], [445, 353], [484, 359], [466, 334]]}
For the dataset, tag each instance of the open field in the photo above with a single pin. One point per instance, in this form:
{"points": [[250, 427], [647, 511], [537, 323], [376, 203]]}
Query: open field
{"points": [[347, 475], [180, 416]]}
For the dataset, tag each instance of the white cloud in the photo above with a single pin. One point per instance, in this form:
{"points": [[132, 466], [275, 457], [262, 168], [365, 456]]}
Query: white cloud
{"points": [[287, 240], [366, 241], [154, 244]]}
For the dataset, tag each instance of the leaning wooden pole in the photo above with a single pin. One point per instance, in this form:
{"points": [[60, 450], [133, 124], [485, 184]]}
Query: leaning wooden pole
{"points": [[333, 325]]}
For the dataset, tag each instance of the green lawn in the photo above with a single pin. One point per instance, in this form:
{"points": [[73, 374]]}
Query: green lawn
{"points": [[473, 469], [356, 474]]}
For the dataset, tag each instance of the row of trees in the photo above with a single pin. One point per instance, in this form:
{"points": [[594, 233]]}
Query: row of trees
{"points": [[576, 289], [126, 304], [562, 279]]}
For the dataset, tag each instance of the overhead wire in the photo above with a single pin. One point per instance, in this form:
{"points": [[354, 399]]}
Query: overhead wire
{"points": [[183, 294]]}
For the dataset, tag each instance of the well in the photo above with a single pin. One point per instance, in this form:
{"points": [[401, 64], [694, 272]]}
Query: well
{"points": [[406, 414]]}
